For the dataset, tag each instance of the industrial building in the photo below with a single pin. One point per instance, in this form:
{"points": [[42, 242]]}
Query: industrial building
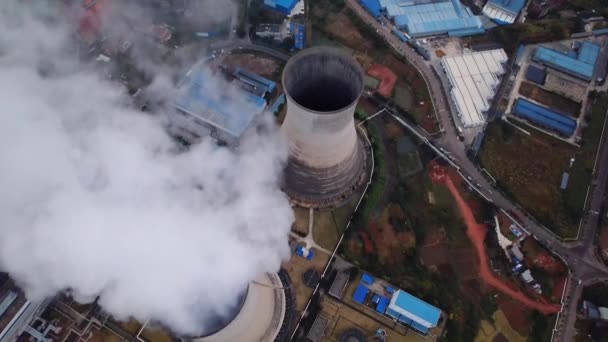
{"points": [[545, 117], [372, 6], [15, 310], [398, 305], [503, 12], [274, 31], [421, 18], [474, 78], [283, 6], [326, 155], [413, 311], [207, 105], [578, 62]]}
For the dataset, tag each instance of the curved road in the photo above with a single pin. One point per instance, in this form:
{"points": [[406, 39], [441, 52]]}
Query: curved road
{"points": [[579, 255]]}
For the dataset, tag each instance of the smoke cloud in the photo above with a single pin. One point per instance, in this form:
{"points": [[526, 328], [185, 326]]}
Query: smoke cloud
{"points": [[95, 199]]}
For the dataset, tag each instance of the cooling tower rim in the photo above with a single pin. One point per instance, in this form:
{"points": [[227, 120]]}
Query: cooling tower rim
{"points": [[330, 51]]}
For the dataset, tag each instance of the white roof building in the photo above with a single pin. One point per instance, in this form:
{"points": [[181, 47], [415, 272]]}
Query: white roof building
{"points": [[474, 78]]}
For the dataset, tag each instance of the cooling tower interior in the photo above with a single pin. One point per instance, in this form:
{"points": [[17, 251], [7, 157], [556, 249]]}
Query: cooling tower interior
{"points": [[259, 317], [326, 155]]}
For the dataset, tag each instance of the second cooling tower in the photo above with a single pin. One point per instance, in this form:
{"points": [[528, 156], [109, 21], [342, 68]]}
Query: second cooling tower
{"points": [[326, 156]]}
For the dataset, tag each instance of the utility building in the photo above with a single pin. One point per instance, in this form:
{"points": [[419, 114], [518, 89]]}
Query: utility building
{"points": [[474, 78], [503, 12], [413, 311]]}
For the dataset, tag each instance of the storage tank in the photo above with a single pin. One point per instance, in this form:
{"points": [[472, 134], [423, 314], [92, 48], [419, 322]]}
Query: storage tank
{"points": [[326, 155]]}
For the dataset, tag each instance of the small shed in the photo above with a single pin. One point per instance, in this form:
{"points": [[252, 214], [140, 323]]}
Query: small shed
{"points": [[367, 279], [360, 294], [536, 75]]}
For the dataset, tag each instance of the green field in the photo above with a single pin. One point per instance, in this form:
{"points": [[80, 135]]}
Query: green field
{"points": [[529, 169]]}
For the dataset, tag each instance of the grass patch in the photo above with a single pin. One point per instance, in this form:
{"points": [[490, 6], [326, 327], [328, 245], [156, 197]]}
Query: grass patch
{"points": [[529, 168], [550, 99], [580, 174], [328, 225]]}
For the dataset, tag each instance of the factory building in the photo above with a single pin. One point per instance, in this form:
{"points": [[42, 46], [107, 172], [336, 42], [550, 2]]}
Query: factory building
{"points": [[503, 12], [421, 18], [578, 62], [474, 78], [413, 311], [326, 155], [283, 6], [15, 310], [204, 110], [545, 117]]}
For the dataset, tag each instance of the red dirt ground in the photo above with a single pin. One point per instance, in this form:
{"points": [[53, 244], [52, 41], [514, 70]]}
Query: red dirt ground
{"points": [[548, 263], [558, 288], [476, 233], [386, 76]]}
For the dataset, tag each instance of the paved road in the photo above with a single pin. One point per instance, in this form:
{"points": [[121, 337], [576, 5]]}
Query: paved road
{"points": [[579, 255]]}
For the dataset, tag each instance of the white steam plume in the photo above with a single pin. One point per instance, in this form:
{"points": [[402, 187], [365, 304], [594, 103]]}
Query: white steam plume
{"points": [[94, 200]]}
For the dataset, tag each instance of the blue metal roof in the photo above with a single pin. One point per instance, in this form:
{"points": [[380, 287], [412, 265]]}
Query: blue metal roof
{"points": [[283, 6], [372, 6], [589, 52], [513, 6], [200, 97], [600, 32], [360, 294], [382, 304], [536, 75], [257, 80], [367, 279], [545, 117], [581, 64], [445, 17], [416, 307]]}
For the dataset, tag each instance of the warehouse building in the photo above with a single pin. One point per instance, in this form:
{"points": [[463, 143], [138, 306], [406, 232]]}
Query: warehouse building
{"points": [[544, 117], [283, 6], [204, 110], [474, 78], [578, 62], [503, 12], [421, 18], [412, 311]]}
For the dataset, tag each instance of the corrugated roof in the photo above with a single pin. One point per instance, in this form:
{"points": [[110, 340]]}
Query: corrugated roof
{"points": [[545, 117], [414, 309], [372, 6], [446, 17], [360, 294], [474, 78], [580, 65], [284, 6], [511, 6], [230, 110]]}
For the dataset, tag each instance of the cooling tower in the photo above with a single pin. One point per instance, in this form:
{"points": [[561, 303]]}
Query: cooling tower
{"points": [[259, 318], [326, 156]]}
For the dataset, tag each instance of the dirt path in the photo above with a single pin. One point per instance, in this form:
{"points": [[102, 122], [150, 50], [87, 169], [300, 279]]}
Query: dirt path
{"points": [[477, 233]]}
